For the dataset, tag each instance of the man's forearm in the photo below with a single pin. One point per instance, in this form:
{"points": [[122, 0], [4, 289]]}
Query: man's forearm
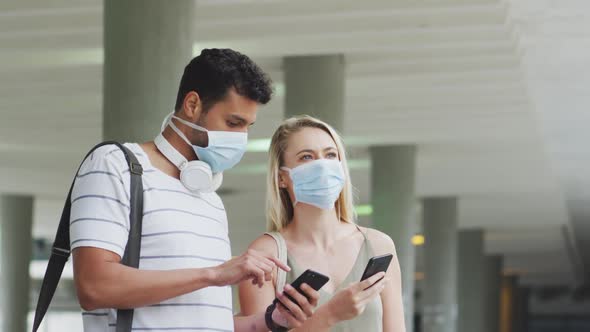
{"points": [[122, 287]]}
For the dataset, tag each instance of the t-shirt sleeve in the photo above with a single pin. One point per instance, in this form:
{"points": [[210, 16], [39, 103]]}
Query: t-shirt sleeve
{"points": [[100, 202]]}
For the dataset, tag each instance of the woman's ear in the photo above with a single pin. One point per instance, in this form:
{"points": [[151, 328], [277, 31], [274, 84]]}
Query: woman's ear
{"points": [[282, 183]]}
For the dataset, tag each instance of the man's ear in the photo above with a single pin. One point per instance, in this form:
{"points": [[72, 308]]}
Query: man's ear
{"points": [[192, 106]]}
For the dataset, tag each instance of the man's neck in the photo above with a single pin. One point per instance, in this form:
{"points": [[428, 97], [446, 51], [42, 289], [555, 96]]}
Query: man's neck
{"points": [[160, 161], [179, 144]]}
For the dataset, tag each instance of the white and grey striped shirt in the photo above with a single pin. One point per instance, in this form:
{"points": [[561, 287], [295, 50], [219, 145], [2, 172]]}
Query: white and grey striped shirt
{"points": [[180, 230]]}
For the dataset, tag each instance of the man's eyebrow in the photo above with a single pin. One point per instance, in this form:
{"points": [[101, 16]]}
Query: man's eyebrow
{"points": [[241, 119]]}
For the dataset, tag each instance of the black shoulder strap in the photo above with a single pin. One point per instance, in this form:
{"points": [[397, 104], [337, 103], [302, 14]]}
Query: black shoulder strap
{"points": [[131, 255], [61, 246]]}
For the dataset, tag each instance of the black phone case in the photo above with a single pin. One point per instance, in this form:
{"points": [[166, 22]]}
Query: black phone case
{"points": [[314, 279], [377, 264]]}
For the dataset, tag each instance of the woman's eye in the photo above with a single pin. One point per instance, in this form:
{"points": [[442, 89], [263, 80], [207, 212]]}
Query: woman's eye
{"points": [[332, 155], [306, 157]]}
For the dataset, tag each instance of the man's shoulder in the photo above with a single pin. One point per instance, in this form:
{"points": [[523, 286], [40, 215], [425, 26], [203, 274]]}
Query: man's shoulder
{"points": [[109, 156]]}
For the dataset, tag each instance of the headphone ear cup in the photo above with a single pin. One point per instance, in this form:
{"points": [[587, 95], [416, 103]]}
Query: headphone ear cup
{"points": [[217, 181], [197, 176]]}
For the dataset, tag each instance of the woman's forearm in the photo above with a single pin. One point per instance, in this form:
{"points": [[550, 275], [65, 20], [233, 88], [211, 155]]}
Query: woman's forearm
{"points": [[322, 320]]}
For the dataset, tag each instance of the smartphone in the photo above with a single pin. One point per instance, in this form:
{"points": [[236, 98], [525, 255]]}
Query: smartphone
{"points": [[377, 264], [313, 278]]}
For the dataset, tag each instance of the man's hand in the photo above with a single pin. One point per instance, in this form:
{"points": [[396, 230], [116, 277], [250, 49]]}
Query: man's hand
{"points": [[250, 265], [293, 314]]}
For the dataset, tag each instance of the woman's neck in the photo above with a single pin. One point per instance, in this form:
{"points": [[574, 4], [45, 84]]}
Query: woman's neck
{"points": [[314, 226]]}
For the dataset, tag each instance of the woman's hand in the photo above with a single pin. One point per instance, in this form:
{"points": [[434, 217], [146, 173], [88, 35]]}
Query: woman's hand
{"points": [[351, 301], [293, 314]]}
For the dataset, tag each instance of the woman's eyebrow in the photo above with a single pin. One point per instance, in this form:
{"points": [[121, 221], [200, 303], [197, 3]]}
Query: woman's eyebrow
{"points": [[305, 150], [312, 151]]}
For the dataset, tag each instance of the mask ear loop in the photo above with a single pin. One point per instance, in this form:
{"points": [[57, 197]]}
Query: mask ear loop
{"points": [[190, 124], [180, 133], [288, 170], [166, 121]]}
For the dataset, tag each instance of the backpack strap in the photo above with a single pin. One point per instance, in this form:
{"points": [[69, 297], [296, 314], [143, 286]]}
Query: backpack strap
{"points": [[60, 251], [282, 256]]}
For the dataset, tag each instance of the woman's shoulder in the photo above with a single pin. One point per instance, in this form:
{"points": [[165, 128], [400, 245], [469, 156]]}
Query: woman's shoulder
{"points": [[265, 244], [380, 242]]}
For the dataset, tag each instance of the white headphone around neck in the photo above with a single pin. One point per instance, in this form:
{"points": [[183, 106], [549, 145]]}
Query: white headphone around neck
{"points": [[195, 175]]}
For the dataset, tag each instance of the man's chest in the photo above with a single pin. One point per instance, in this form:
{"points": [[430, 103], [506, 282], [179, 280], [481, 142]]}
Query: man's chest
{"points": [[182, 230]]}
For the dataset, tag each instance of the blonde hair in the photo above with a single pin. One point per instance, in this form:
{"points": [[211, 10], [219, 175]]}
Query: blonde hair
{"points": [[279, 208]]}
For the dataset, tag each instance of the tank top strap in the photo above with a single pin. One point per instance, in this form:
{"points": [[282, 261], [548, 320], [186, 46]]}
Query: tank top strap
{"points": [[282, 255], [360, 230], [368, 249]]}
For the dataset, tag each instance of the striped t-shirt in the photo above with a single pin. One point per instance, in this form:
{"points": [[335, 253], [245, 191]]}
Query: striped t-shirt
{"points": [[180, 230]]}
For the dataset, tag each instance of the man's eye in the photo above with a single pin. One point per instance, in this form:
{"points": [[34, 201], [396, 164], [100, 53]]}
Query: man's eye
{"points": [[232, 124]]}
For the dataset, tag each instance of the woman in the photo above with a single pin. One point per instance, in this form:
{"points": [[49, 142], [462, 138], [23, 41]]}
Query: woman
{"points": [[310, 208]]}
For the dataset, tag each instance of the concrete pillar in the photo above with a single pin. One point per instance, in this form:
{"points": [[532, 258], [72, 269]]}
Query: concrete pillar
{"points": [[147, 43], [393, 199], [16, 217], [493, 288], [440, 272], [480, 282], [507, 303], [315, 86], [471, 296], [514, 308], [521, 309]]}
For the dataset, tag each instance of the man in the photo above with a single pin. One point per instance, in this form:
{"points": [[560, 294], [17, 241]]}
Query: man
{"points": [[183, 282]]}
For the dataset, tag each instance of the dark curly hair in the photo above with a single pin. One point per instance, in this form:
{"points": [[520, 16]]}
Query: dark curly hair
{"points": [[215, 71]]}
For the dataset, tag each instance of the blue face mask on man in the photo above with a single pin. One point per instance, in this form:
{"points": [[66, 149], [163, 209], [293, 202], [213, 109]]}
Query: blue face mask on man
{"points": [[225, 148], [317, 182]]}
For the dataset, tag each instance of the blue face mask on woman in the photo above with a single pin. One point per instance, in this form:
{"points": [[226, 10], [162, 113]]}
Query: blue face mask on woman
{"points": [[317, 182]]}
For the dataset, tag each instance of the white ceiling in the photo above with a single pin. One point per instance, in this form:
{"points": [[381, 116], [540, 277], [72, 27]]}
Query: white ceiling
{"points": [[493, 93]]}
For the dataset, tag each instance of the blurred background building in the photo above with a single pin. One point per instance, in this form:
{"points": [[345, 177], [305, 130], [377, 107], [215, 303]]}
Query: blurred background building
{"points": [[466, 123]]}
